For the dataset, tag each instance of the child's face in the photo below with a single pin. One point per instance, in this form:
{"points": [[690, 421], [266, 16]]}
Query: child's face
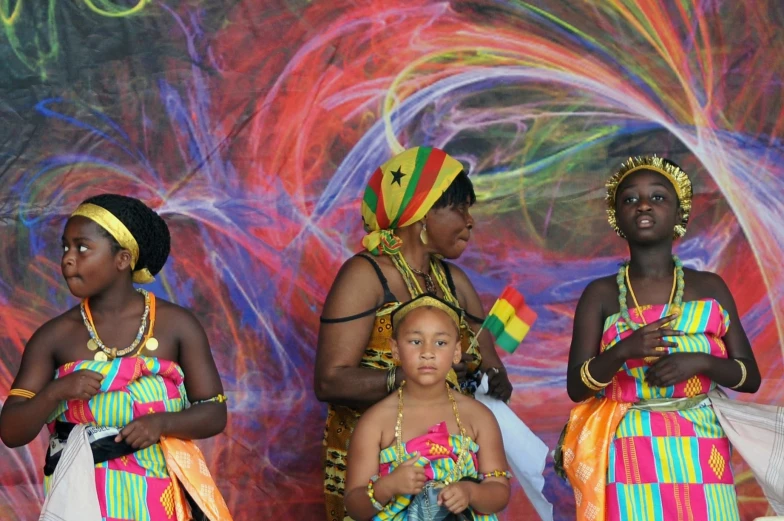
{"points": [[427, 343], [88, 264], [647, 207]]}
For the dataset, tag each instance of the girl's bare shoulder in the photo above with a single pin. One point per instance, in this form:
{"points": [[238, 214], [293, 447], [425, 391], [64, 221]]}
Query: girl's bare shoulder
{"points": [[474, 413]]}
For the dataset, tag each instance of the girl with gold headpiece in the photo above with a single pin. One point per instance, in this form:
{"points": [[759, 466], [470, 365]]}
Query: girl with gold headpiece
{"points": [[648, 346], [122, 381], [416, 211], [415, 455]]}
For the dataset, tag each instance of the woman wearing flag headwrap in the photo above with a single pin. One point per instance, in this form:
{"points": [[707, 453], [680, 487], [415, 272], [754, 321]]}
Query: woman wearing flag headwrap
{"points": [[123, 381], [416, 213]]}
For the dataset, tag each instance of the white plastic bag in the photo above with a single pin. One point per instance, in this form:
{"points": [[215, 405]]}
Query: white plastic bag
{"points": [[525, 452]]}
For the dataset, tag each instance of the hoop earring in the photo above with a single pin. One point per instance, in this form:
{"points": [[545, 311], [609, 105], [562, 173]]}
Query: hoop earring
{"points": [[423, 234]]}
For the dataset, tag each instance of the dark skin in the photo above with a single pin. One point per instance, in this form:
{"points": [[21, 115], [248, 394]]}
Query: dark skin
{"points": [[357, 289], [647, 210], [93, 270]]}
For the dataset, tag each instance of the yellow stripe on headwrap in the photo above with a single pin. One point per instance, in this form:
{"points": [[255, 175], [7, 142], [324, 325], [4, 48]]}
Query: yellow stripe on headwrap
{"points": [[109, 222]]}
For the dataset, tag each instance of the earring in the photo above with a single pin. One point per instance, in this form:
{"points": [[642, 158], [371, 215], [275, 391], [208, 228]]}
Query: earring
{"points": [[423, 234], [680, 230]]}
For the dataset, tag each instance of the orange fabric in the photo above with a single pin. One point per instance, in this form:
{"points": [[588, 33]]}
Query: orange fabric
{"points": [[586, 447], [186, 463]]}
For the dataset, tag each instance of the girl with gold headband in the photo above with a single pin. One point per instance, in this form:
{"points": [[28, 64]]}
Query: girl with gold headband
{"points": [[123, 381], [416, 211], [415, 455], [649, 345]]}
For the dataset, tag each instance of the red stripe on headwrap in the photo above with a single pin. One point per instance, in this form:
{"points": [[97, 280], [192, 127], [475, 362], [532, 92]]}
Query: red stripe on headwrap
{"points": [[427, 179]]}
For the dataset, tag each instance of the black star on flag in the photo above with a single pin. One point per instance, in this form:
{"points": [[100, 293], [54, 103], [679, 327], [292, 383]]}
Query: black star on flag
{"points": [[397, 176]]}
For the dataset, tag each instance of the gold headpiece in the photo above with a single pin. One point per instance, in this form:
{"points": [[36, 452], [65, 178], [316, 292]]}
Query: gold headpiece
{"points": [[117, 229], [425, 300], [679, 179]]}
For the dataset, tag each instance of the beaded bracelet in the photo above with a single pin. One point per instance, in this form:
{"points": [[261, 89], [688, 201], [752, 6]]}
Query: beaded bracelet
{"points": [[221, 398], [21, 393], [742, 372], [497, 474], [372, 494]]}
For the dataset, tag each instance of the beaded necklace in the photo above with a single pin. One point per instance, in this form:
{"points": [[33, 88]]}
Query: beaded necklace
{"points": [[430, 286], [676, 294], [436, 272], [110, 353]]}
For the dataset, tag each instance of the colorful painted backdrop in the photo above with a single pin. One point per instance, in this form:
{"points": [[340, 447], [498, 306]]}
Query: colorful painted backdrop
{"points": [[253, 125]]}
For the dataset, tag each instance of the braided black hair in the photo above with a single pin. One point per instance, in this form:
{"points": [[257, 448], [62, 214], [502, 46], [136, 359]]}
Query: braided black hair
{"points": [[146, 226]]}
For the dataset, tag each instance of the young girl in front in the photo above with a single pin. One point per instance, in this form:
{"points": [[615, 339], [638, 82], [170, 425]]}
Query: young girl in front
{"points": [[416, 454], [649, 345], [123, 380]]}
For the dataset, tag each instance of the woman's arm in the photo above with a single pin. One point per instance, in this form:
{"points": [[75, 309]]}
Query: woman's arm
{"points": [[338, 377], [498, 382]]}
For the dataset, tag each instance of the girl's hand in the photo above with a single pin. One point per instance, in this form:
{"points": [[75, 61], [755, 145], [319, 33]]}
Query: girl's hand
{"points": [[143, 432], [498, 384], [407, 478], [676, 368], [79, 385], [456, 497], [648, 341]]}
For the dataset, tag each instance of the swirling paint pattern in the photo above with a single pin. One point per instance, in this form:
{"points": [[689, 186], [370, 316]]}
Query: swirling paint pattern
{"points": [[253, 125]]}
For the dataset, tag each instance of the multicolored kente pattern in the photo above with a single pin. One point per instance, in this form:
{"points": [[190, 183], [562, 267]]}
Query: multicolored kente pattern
{"points": [[438, 455], [136, 487], [670, 466]]}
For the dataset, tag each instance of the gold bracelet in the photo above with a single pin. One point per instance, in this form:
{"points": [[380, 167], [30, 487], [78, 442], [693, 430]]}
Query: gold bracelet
{"points": [[21, 393], [595, 385], [592, 379], [743, 374], [585, 380]]}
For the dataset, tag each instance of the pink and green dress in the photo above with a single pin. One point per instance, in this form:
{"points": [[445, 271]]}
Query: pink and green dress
{"points": [[438, 455], [671, 464], [136, 487]]}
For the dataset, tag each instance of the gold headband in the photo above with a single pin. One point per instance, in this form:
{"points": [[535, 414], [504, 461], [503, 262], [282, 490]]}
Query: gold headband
{"points": [[425, 301], [109, 222], [677, 177]]}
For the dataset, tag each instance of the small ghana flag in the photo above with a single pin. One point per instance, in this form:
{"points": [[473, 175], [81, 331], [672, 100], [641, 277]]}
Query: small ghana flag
{"points": [[509, 319]]}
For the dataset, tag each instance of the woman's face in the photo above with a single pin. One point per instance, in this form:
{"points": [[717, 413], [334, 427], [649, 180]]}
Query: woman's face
{"points": [[449, 229]]}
